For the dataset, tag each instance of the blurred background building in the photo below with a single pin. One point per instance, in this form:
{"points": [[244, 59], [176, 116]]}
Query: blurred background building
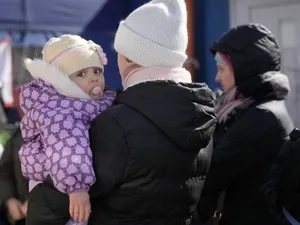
{"points": [[25, 26]]}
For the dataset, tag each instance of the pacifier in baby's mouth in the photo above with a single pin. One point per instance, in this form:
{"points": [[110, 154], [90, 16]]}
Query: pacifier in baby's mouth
{"points": [[96, 91]]}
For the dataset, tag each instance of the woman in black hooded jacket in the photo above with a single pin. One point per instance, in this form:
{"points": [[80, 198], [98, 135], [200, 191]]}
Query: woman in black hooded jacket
{"points": [[253, 123]]}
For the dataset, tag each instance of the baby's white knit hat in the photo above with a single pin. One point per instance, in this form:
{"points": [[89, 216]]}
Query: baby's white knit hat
{"points": [[71, 53], [155, 34]]}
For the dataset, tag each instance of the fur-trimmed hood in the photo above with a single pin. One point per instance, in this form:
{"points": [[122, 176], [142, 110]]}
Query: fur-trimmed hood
{"points": [[51, 74]]}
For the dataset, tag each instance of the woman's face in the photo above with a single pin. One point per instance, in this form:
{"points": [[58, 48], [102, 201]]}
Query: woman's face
{"points": [[225, 76]]}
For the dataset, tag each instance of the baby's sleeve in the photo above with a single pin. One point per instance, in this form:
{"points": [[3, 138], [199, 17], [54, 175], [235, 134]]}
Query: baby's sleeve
{"points": [[31, 152], [67, 147]]}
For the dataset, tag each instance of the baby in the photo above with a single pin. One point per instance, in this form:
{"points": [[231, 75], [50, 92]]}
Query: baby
{"points": [[67, 93]]}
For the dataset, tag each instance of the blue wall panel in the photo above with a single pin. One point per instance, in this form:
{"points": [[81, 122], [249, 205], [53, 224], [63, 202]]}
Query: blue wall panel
{"points": [[211, 21], [102, 31]]}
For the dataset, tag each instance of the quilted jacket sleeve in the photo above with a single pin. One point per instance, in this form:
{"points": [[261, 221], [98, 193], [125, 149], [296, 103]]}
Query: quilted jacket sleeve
{"points": [[69, 157]]}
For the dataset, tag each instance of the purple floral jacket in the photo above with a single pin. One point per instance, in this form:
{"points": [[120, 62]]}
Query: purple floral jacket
{"points": [[55, 129]]}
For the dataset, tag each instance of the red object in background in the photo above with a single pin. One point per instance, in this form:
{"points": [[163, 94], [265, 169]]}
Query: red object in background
{"points": [[16, 94]]}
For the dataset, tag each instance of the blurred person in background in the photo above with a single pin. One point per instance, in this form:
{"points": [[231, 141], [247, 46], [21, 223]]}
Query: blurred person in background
{"points": [[281, 191], [13, 186]]}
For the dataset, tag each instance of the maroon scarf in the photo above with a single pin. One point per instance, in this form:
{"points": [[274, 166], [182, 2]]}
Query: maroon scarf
{"points": [[229, 103]]}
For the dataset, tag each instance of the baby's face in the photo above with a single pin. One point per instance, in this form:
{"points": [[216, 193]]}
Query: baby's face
{"points": [[91, 81]]}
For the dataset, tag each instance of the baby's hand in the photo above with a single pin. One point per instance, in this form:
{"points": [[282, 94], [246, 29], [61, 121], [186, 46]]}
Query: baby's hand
{"points": [[80, 206]]}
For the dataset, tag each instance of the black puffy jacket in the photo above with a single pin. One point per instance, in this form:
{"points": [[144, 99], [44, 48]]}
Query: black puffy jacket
{"points": [[146, 154], [283, 186]]}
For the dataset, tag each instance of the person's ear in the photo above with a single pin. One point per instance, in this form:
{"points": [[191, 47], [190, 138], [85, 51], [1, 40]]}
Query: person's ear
{"points": [[128, 60]]}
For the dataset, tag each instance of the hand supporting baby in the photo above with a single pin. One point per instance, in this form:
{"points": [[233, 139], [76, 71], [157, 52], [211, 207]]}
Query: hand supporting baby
{"points": [[80, 206]]}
